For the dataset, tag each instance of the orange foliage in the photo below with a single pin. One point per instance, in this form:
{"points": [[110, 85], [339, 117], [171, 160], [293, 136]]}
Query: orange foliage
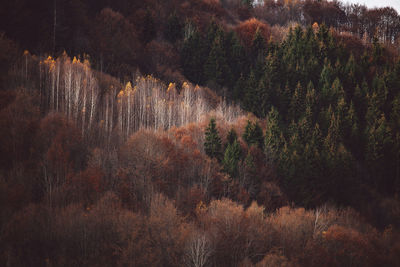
{"points": [[247, 29]]}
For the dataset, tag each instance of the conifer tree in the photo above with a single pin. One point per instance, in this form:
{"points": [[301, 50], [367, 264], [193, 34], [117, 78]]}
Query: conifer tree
{"points": [[311, 99], [253, 134], [212, 144], [231, 158], [273, 136], [239, 89], [216, 69], [297, 105], [193, 59], [236, 56], [250, 94], [258, 47]]}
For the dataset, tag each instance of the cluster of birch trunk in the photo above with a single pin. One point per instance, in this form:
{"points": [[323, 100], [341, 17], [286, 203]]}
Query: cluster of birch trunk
{"points": [[71, 87]]}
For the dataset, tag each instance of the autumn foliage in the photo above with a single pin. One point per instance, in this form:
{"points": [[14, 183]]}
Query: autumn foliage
{"points": [[247, 29], [199, 133]]}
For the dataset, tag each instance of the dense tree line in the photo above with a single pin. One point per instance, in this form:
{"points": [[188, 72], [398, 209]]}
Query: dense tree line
{"points": [[268, 134], [327, 110]]}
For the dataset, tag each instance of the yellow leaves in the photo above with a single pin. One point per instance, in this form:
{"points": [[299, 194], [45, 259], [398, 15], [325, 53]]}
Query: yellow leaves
{"points": [[171, 87], [49, 61], [75, 61], [128, 87], [185, 85], [26, 52], [121, 94], [315, 26]]}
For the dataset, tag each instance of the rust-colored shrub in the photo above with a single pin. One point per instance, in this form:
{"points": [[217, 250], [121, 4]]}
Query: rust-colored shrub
{"points": [[247, 29]]}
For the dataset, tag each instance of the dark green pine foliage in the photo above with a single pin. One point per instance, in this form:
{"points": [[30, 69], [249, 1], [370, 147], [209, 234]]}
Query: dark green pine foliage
{"points": [[236, 57], [273, 136], [297, 103], [253, 135], [213, 31], [240, 89], [379, 146], [216, 69], [263, 98], [192, 56], [311, 101], [250, 94], [212, 144], [231, 158], [258, 49], [331, 108], [351, 76]]}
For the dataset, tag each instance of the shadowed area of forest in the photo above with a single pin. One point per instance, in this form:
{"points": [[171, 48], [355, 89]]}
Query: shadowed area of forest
{"points": [[199, 133]]}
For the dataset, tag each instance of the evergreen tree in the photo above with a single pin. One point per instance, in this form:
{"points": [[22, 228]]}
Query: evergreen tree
{"points": [[213, 31], [250, 93], [212, 144], [231, 158], [240, 89], [258, 48], [216, 69], [253, 134], [263, 98], [326, 77], [192, 56], [311, 101], [297, 103], [273, 136], [236, 56], [379, 146]]}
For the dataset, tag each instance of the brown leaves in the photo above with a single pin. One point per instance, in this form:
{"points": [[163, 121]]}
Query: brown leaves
{"points": [[247, 29]]}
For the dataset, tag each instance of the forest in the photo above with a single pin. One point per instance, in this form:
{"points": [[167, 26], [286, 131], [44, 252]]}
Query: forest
{"points": [[199, 133]]}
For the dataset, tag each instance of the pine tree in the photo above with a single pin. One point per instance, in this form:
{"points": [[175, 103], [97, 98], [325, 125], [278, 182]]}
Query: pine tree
{"points": [[258, 48], [240, 88], [273, 136], [212, 144], [326, 77], [231, 158], [379, 145], [236, 56], [263, 98], [297, 103], [192, 56], [216, 69], [311, 100], [253, 135], [250, 94]]}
